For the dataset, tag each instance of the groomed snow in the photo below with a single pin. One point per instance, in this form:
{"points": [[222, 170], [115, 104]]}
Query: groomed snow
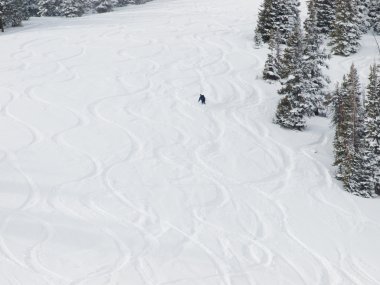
{"points": [[112, 173]]}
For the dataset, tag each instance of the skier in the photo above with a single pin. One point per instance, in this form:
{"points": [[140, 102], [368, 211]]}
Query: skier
{"points": [[202, 99]]}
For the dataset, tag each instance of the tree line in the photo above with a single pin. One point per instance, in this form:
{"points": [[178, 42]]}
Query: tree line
{"points": [[13, 12], [341, 21], [356, 117], [298, 58]]}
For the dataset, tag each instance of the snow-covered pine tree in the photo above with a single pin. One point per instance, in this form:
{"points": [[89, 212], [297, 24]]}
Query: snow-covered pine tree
{"points": [[315, 87], [356, 107], [347, 118], [291, 109], [2, 16], [286, 16], [277, 15], [103, 6], [376, 25], [121, 3], [49, 7], [346, 32], [13, 12], [88, 6], [31, 8], [372, 130], [361, 183], [365, 178], [293, 45], [72, 8], [265, 23], [325, 15], [374, 15], [363, 15], [271, 67], [338, 121]]}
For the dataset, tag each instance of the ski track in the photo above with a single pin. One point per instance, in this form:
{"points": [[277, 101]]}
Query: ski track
{"points": [[163, 190]]}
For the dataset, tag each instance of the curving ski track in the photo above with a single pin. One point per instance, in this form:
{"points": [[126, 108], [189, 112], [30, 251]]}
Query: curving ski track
{"points": [[111, 173]]}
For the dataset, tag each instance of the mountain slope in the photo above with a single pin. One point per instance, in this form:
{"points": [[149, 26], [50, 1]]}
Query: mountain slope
{"points": [[112, 173]]}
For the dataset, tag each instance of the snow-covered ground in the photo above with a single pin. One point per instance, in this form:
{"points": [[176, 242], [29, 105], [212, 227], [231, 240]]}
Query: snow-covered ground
{"points": [[112, 173]]}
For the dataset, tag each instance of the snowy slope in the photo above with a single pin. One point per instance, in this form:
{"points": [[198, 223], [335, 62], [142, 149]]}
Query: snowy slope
{"points": [[111, 173]]}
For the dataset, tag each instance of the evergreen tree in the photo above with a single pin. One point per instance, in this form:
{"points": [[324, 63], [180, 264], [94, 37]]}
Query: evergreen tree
{"points": [[121, 3], [315, 82], [345, 35], [363, 7], [292, 53], [292, 109], [374, 15], [271, 68], [286, 17], [72, 8], [103, 6], [361, 182], [347, 120], [325, 10], [49, 7], [372, 129], [13, 12], [365, 178], [277, 15], [339, 123], [31, 8], [265, 22]]}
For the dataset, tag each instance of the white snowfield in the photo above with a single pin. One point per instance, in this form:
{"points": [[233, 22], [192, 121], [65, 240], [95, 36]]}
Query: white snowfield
{"points": [[112, 173]]}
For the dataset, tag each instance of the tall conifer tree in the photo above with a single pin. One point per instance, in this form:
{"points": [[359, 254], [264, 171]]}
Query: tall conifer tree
{"points": [[291, 109], [346, 32], [315, 57], [374, 15], [13, 12], [72, 8], [347, 119], [265, 22], [49, 7], [325, 10]]}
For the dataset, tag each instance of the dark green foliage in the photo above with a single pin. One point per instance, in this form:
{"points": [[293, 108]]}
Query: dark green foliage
{"points": [[286, 17], [13, 12], [277, 16], [363, 15], [291, 59], [347, 113], [372, 131], [357, 134], [103, 6], [31, 8], [271, 68], [292, 109], [72, 8], [121, 3], [325, 10], [290, 114], [265, 22], [374, 15], [365, 178], [49, 7], [314, 61], [346, 32]]}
